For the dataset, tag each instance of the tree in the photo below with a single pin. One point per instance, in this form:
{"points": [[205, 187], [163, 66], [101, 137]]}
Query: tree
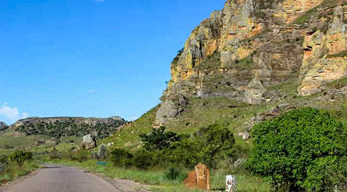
{"points": [[299, 150], [102, 151], [158, 139], [207, 145]]}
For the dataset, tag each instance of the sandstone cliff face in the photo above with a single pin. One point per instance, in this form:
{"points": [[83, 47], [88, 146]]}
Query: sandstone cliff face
{"points": [[325, 56], [252, 45]]}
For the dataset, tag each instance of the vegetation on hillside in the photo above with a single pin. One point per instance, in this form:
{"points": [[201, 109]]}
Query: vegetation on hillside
{"points": [[68, 128]]}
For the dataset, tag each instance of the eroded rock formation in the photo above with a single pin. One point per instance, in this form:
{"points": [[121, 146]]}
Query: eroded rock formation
{"points": [[250, 46], [199, 178]]}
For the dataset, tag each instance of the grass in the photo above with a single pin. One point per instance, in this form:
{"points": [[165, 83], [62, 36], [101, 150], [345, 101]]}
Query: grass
{"points": [[9, 142], [129, 136], [243, 64], [205, 111], [13, 171], [158, 182], [199, 113], [19, 141], [211, 62], [289, 87], [342, 54]]}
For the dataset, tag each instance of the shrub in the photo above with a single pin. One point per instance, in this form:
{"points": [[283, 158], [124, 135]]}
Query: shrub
{"points": [[102, 151], [158, 139], [143, 159], [121, 157], [207, 145], [94, 155], [300, 149], [3, 162], [81, 155], [19, 157], [214, 141], [172, 173]]}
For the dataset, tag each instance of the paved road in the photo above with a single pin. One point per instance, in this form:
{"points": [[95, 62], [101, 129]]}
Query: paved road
{"points": [[62, 179]]}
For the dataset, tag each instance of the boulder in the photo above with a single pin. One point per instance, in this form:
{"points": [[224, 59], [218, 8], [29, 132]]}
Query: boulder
{"points": [[245, 135], [199, 178], [88, 142], [39, 142]]}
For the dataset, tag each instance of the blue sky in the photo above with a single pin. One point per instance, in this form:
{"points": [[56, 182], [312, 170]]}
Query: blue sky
{"points": [[87, 58]]}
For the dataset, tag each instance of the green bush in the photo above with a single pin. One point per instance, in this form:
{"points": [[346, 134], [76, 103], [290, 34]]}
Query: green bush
{"points": [[303, 149], [158, 139], [208, 145], [102, 150], [3, 162], [19, 157], [172, 173], [121, 157], [81, 155], [143, 159]]}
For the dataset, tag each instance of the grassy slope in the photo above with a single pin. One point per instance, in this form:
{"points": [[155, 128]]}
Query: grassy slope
{"points": [[129, 135], [22, 141], [205, 111]]}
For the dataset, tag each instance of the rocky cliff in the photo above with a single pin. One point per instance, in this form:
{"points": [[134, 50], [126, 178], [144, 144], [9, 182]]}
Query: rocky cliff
{"points": [[243, 51]]}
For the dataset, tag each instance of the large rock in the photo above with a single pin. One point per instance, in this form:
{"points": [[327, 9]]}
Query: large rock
{"points": [[247, 49], [199, 178], [89, 142], [245, 135]]}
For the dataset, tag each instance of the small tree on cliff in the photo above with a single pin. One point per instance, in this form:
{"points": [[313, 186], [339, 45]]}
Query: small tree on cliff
{"points": [[303, 149]]}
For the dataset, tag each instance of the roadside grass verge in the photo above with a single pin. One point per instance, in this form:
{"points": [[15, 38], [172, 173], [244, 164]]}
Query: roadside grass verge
{"points": [[157, 181], [14, 171]]}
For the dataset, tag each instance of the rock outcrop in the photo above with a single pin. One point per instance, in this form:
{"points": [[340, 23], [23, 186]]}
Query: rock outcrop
{"points": [[199, 178], [89, 142], [244, 50]]}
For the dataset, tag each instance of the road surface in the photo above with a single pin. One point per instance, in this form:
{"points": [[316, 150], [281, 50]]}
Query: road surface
{"points": [[54, 178]]}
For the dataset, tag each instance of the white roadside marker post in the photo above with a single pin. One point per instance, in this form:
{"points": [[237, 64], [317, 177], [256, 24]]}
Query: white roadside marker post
{"points": [[230, 183]]}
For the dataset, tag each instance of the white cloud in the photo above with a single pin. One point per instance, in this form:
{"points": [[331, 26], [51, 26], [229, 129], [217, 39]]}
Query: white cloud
{"points": [[25, 115], [11, 113]]}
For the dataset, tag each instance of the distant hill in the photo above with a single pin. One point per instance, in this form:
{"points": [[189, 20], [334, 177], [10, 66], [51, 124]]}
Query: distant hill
{"points": [[68, 126]]}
